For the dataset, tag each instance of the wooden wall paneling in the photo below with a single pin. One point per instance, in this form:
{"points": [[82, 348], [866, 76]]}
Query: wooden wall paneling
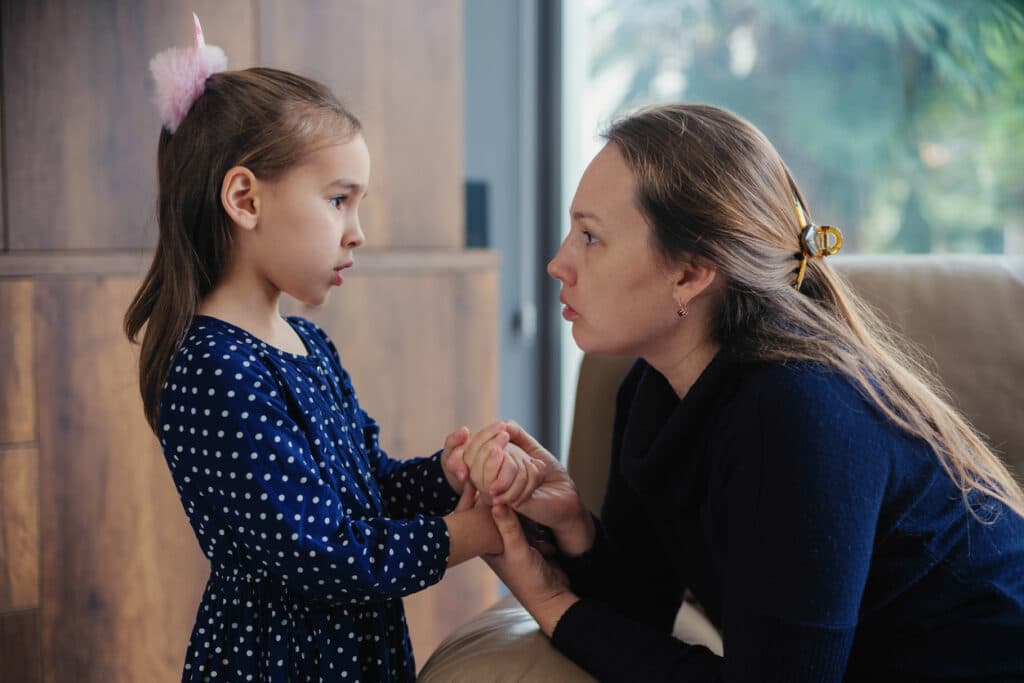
{"points": [[17, 388], [88, 180], [19, 528], [398, 65], [19, 647], [121, 570], [420, 348]]}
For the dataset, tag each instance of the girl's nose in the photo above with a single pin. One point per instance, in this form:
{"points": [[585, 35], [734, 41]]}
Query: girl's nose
{"points": [[353, 237]]}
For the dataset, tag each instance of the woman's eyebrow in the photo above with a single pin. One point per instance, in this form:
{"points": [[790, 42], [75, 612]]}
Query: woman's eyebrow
{"points": [[585, 215]]}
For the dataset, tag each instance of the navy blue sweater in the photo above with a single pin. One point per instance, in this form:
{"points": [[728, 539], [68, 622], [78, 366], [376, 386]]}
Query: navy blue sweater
{"points": [[824, 543]]}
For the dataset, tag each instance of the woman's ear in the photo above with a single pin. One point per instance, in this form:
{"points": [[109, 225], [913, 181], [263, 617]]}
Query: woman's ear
{"points": [[238, 195], [692, 278]]}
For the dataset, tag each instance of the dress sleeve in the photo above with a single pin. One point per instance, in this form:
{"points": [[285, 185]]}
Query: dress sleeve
{"points": [[252, 487], [414, 486]]}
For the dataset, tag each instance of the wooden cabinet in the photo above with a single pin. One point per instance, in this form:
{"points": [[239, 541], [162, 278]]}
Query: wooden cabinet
{"points": [[100, 575]]}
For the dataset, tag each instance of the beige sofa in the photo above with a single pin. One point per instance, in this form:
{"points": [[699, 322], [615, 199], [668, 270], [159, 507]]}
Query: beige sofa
{"points": [[965, 312]]}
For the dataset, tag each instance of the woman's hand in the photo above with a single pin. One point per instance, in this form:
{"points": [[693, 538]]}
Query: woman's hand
{"points": [[555, 503], [540, 586]]}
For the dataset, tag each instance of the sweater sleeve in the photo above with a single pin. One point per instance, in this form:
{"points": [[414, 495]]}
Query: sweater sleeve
{"points": [[414, 486], [245, 470]]}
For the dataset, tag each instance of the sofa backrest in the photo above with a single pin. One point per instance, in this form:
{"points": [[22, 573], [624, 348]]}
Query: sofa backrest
{"points": [[964, 312]]}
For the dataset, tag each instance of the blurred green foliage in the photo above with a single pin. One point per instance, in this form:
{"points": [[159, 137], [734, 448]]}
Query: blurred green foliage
{"points": [[903, 120]]}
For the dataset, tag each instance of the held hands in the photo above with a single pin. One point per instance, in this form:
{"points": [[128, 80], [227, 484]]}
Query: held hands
{"points": [[501, 471]]}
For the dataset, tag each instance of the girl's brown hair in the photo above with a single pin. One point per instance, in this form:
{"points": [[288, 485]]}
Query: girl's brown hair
{"points": [[263, 119], [711, 185]]}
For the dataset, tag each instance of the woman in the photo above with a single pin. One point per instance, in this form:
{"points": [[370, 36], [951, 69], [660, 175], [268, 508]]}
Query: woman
{"points": [[774, 451]]}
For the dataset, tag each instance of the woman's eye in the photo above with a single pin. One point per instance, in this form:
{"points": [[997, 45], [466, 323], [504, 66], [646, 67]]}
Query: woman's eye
{"points": [[588, 237], [336, 202]]}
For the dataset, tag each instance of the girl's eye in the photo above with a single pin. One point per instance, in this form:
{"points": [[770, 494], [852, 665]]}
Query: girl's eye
{"points": [[588, 237], [336, 202]]}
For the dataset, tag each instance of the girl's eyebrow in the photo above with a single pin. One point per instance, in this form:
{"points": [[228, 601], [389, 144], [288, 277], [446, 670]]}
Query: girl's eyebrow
{"points": [[343, 184]]}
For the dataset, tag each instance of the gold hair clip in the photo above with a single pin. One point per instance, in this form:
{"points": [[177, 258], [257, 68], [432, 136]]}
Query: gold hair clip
{"points": [[815, 241]]}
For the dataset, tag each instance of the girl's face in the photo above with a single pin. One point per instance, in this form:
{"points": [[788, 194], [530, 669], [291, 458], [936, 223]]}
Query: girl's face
{"points": [[616, 292], [309, 220]]}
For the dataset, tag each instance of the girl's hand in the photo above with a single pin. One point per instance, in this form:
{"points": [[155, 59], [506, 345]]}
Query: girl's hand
{"points": [[455, 470], [540, 586]]}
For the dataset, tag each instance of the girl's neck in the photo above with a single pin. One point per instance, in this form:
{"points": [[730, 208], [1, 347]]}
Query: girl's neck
{"points": [[249, 302]]}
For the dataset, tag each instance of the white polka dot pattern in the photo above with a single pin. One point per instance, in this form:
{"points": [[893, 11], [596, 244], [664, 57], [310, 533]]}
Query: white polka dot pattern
{"points": [[313, 533]]}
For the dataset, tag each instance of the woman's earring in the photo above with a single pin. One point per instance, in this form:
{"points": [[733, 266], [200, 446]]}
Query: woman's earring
{"points": [[681, 311]]}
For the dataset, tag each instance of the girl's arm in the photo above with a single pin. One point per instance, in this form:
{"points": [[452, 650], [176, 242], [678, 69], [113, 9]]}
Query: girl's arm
{"points": [[245, 471], [411, 486]]}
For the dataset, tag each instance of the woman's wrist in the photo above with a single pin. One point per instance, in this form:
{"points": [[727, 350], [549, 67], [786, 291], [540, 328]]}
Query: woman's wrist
{"points": [[548, 613], [577, 537]]}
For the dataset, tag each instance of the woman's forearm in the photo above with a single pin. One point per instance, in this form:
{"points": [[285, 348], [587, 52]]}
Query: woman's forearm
{"points": [[547, 613]]}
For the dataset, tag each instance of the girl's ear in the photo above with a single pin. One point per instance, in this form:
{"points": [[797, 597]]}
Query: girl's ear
{"points": [[239, 197]]}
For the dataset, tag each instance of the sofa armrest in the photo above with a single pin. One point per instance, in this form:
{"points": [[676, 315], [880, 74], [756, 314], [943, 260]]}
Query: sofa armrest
{"points": [[503, 644]]}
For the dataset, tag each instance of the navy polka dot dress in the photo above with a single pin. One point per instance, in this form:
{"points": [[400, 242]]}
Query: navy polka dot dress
{"points": [[313, 533]]}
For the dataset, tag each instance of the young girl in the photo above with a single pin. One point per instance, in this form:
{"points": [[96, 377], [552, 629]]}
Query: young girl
{"points": [[313, 533]]}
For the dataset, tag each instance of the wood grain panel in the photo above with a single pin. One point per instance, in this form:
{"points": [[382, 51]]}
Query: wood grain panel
{"points": [[17, 388], [19, 528], [421, 350], [398, 65], [129, 262], [121, 570], [89, 181], [19, 647]]}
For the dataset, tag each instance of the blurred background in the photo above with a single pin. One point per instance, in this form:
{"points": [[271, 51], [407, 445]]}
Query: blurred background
{"points": [[902, 122]]}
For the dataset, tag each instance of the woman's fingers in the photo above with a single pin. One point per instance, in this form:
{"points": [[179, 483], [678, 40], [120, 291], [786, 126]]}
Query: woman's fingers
{"points": [[467, 499], [534, 478], [510, 529], [477, 441], [521, 437], [517, 488]]}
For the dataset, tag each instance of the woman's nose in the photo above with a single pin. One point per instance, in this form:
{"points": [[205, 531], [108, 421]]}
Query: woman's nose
{"points": [[558, 268]]}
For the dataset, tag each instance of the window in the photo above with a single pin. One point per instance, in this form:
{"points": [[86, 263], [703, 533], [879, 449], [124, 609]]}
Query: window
{"points": [[902, 121]]}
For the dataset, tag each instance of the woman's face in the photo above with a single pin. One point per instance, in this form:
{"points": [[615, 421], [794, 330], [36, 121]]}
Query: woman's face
{"points": [[616, 292]]}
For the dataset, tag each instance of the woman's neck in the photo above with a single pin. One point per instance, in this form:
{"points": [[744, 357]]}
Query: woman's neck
{"points": [[682, 367]]}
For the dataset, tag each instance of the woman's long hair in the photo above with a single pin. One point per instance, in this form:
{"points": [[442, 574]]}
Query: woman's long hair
{"points": [[263, 119], [711, 185]]}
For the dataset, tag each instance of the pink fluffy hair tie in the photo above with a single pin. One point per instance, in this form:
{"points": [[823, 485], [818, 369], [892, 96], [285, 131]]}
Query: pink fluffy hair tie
{"points": [[180, 75]]}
